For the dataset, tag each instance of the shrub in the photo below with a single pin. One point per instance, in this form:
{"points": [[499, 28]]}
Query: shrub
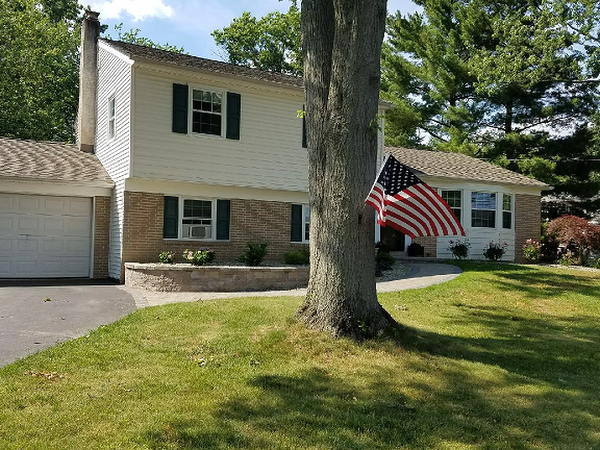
{"points": [[532, 250], [567, 259], [459, 249], [384, 261], [199, 257], [166, 257], [596, 263], [255, 254], [494, 252], [299, 257], [575, 232]]}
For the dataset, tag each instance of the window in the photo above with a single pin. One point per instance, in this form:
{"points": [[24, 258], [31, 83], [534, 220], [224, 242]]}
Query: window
{"points": [[454, 200], [483, 209], [196, 219], [206, 112], [300, 223], [306, 228], [197, 222], [112, 125], [507, 211]]}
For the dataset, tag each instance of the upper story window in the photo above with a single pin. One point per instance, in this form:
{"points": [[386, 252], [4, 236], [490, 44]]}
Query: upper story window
{"points": [[112, 121], [207, 112], [507, 211], [454, 200], [483, 209], [212, 112]]}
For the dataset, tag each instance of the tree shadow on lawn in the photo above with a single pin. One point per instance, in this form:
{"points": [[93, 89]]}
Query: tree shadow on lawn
{"points": [[536, 283], [537, 387]]}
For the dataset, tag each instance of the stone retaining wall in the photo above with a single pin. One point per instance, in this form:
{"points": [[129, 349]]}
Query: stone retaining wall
{"points": [[188, 278]]}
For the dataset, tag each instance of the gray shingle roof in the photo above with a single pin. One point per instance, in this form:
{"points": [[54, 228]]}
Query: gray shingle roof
{"points": [[195, 62], [52, 161], [459, 166]]}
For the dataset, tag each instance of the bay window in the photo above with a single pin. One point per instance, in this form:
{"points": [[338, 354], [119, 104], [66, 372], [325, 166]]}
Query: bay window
{"points": [[483, 209]]}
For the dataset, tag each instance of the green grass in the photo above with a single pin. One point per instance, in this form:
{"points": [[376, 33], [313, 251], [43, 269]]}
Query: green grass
{"points": [[503, 357]]}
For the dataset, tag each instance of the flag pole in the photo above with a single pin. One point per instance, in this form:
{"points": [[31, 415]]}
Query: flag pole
{"points": [[374, 182], [377, 176]]}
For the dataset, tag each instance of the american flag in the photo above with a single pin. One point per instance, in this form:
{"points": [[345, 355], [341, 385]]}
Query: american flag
{"points": [[404, 202]]}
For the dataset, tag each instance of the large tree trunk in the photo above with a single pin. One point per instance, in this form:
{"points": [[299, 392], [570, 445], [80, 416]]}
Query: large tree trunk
{"points": [[342, 44]]}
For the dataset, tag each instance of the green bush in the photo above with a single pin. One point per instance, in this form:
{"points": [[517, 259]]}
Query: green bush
{"points": [[494, 252], [459, 249], [299, 257], [255, 254], [384, 261]]}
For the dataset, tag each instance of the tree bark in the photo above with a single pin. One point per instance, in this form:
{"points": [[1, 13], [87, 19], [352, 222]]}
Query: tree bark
{"points": [[342, 44]]}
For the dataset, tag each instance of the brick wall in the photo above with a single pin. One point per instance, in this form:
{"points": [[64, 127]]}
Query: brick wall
{"points": [[101, 232], [251, 220], [528, 219], [429, 244]]}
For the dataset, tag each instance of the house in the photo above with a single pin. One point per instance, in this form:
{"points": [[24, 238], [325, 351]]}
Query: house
{"points": [[178, 152], [493, 204]]}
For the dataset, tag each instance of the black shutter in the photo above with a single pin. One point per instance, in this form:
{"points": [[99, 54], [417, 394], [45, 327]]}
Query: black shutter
{"points": [[171, 218], [223, 219], [180, 108], [234, 110], [296, 223], [304, 145]]}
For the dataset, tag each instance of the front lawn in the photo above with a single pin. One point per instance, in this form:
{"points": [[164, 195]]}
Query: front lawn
{"points": [[503, 357]]}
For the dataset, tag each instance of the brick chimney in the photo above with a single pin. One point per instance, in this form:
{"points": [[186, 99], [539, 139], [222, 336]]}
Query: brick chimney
{"points": [[88, 82]]}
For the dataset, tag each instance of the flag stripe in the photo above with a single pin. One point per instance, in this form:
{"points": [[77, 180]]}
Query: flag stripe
{"points": [[424, 194], [404, 207], [441, 206], [446, 211], [414, 196]]}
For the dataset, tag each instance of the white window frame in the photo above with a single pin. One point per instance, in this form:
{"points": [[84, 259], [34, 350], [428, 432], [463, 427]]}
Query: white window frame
{"points": [[497, 195], [191, 110], [213, 219], [511, 211], [461, 208], [305, 223], [111, 121]]}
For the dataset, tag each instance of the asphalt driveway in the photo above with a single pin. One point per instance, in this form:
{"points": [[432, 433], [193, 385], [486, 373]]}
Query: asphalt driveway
{"points": [[39, 314]]}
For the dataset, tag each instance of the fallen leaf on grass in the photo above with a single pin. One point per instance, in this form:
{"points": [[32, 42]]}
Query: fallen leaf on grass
{"points": [[45, 375]]}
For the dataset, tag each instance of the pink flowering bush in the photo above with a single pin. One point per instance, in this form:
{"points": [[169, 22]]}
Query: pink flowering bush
{"points": [[198, 257], [494, 251], [167, 257], [532, 250]]}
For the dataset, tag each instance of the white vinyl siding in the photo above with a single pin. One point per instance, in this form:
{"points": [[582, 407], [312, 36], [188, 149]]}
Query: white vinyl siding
{"points": [[114, 80], [269, 154]]}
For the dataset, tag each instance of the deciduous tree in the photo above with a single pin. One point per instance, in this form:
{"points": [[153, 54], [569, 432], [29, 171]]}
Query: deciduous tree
{"points": [[341, 41], [270, 43]]}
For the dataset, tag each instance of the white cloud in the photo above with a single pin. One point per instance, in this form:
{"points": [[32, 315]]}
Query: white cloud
{"points": [[136, 9]]}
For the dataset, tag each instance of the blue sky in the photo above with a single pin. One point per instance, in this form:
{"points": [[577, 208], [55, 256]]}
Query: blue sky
{"points": [[188, 23]]}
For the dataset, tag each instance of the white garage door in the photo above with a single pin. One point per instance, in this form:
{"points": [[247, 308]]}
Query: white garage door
{"points": [[43, 236]]}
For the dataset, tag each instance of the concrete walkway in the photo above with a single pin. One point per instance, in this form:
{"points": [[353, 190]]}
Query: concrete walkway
{"points": [[419, 276]]}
